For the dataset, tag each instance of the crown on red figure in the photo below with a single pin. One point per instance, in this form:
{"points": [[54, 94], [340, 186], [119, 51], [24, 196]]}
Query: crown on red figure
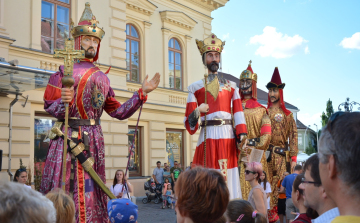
{"points": [[248, 73], [275, 80]]}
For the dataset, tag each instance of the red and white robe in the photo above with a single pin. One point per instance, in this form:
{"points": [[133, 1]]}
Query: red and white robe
{"points": [[221, 150]]}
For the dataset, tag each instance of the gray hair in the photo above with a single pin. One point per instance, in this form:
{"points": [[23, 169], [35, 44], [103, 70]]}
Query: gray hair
{"points": [[343, 141], [24, 205]]}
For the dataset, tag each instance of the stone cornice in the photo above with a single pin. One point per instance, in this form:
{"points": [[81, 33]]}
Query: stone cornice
{"points": [[209, 4], [142, 6], [179, 19]]}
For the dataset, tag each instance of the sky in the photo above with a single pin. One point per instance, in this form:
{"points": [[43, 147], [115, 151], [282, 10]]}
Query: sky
{"points": [[314, 43]]}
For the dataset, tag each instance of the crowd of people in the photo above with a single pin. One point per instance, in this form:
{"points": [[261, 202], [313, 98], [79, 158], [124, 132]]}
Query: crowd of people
{"points": [[325, 189]]}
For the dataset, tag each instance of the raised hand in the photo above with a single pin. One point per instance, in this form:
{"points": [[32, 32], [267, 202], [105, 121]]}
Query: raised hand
{"points": [[149, 86]]}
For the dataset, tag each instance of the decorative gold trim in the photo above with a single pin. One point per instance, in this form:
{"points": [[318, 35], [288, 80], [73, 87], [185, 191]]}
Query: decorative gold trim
{"points": [[223, 167], [52, 135], [53, 86], [74, 134], [78, 149], [213, 87]]}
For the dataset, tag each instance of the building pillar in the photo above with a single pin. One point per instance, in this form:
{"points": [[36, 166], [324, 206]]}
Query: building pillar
{"points": [[165, 34]]}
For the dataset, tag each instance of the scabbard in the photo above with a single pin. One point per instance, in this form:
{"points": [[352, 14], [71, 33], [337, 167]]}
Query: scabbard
{"points": [[86, 163]]}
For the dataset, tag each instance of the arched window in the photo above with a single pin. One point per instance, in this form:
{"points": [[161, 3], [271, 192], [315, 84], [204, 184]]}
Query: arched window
{"points": [[175, 64], [132, 53]]}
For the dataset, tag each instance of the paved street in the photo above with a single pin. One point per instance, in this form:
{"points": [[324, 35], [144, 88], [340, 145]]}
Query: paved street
{"points": [[152, 213]]}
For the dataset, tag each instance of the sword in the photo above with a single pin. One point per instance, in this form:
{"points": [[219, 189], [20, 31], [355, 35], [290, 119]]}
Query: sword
{"points": [[77, 150]]}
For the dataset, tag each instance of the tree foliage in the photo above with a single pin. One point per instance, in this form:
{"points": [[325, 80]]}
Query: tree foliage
{"points": [[310, 149], [329, 111]]}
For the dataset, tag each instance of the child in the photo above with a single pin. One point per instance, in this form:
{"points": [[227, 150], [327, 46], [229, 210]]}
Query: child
{"points": [[267, 187], [242, 211], [165, 185], [169, 195]]}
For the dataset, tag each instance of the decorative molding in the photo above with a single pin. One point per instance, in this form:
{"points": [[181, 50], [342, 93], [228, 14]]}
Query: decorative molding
{"points": [[179, 19], [142, 6], [177, 99], [49, 66], [209, 4]]}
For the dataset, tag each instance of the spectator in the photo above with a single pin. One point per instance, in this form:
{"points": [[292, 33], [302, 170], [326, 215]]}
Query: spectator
{"points": [[339, 152], [267, 187], [202, 196], [64, 205], [22, 205], [315, 196], [158, 175], [298, 200], [286, 186], [166, 183], [121, 186], [282, 199], [222, 219], [122, 211], [175, 171], [242, 211], [257, 196], [189, 167], [167, 175], [21, 176], [165, 166]]}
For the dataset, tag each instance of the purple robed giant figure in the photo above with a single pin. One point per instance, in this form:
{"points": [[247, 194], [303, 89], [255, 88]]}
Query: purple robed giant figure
{"points": [[88, 98]]}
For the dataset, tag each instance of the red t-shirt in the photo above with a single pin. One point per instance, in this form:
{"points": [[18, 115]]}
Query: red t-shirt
{"points": [[302, 218]]}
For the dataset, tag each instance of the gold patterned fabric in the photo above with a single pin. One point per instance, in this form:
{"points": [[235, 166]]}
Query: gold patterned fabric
{"points": [[257, 122], [283, 129]]}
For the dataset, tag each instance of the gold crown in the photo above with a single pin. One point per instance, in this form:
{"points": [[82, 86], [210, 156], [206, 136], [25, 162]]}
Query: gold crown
{"points": [[248, 74], [89, 27], [212, 43]]}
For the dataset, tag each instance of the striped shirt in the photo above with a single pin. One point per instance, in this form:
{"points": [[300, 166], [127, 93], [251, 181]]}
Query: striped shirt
{"points": [[327, 216]]}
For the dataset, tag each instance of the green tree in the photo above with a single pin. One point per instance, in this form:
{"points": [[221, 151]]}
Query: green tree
{"points": [[310, 149], [329, 111]]}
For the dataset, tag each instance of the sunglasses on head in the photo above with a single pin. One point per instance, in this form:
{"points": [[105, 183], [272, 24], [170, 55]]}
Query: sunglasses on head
{"points": [[21, 170], [332, 119], [247, 172]]}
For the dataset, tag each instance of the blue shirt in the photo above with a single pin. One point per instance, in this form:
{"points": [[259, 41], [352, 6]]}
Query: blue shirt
{"points": [[288, 184], [327, 216]]}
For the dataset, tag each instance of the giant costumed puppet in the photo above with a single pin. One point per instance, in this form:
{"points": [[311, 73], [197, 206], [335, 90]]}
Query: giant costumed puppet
{"points": [[257, 122], [283, 135], [210, 99], [91, 94]]}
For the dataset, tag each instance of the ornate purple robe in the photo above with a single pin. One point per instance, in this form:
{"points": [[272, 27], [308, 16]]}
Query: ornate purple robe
{"points": [[90, 201]]}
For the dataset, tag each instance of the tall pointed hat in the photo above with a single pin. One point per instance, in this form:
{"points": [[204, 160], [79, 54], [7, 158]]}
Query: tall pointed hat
{"points": [[275, 80], [277, 83], [87, 26]]}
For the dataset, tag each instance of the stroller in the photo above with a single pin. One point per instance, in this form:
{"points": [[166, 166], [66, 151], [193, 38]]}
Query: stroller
{"points": [[153, 192]]}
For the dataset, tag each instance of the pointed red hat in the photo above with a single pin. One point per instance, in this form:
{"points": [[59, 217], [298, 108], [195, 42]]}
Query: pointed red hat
{"points": [[275, 80]]}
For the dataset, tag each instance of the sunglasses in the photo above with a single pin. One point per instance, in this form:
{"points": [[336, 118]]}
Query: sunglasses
{"points": [[21, 170], [247, 172], [303, 181], [332, 119]]}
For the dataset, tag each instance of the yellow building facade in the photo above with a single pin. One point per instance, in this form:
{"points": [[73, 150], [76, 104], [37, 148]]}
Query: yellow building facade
{"points": [[161, 38]]}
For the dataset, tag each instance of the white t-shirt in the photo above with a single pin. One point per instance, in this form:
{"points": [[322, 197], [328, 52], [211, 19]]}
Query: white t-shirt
{"points": [[27, 186], [268, 190], [118, 188]]}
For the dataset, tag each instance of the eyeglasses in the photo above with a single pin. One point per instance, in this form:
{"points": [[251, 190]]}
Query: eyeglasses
{"points": [[303, 181], [21, 170], [247, 172]]}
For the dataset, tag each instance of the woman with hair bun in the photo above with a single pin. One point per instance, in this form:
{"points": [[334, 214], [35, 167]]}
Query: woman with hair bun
{"points": [[241, 211], [257, 195]]}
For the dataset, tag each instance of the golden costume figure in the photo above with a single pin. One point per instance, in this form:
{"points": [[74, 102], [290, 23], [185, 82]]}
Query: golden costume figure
{"points": [[283, 134], [257, 121]]}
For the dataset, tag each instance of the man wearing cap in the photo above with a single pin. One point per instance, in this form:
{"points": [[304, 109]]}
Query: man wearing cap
{"points": [[283, 129], [88, 98], [257, 122], [220, 152]]}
